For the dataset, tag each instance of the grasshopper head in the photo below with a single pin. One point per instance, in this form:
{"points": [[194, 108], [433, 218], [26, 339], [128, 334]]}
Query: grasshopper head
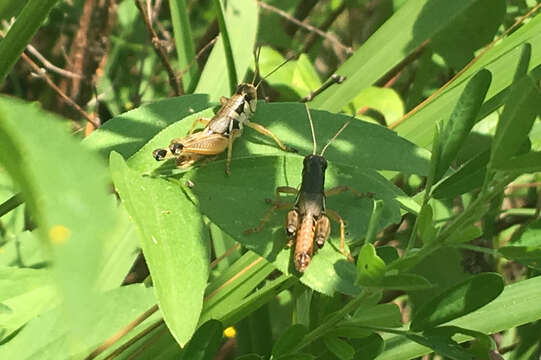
{"points": [[248, 91], [313, 173]]}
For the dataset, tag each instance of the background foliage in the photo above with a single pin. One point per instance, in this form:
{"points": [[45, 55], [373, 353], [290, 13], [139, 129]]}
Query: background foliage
{"points": [[445, 98]]}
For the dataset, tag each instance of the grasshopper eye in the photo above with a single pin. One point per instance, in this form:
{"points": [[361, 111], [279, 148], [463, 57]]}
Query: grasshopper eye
{"points": [[176, 148], [159, 154]]}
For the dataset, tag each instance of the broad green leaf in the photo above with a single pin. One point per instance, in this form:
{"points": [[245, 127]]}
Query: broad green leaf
{"points": [[415, 22], [522, 107], [289, 339], [205, 342], [527, 163], [173, 241], [406, 282], [49, 336], [462, 120], [249, 357], [297, 356], [120, 251], [71, 205], [25, 293], [340, 348], [349, 332], [459, 300], [368, 348], [480, 22], [373, 223], [241, 19], [381, 315], [498, 60], [128, 132], [370, 267], [359, 145], [517, 305], [21, 32], [184, 43]]}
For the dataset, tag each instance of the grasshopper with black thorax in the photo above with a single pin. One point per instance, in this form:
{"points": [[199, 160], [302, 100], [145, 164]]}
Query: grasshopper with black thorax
{"points": [[221, 130], [308, 221]]}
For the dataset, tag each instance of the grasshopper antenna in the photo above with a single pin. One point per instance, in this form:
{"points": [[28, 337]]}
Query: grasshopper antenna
{"points": [[312, 128], [276, 69], [257, 52], [335, 136]]}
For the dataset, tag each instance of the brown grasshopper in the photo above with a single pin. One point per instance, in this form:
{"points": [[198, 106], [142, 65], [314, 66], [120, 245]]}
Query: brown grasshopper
{"points": [[308, 220], [222, 129]]}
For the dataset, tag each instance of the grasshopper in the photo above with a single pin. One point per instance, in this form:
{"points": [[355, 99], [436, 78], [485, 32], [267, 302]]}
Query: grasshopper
{"points": [[308, 220], [222, 129]]}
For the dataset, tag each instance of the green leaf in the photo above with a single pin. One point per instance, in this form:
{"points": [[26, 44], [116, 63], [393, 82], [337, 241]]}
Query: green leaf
{"points": [[373, 223], [459, 300], [381, 315], [289, 339], [21, 32], [297, 356], [241, 19], [205, 342], [413, 23], [357, 146], [25, 293], [406, 282], [522, 106], [384, 100], [462, 120], [368, 348], [443, 346], [229, 59], [24, 251], [469, 177], [465, 235], [304, 78], [527, 163], [184, 43], [480, 22], [128, 132], [70, 204], [517, 305], [173, 241], [425, 226], [50, 336], [498, 60], [370, 267], [339, 347]]}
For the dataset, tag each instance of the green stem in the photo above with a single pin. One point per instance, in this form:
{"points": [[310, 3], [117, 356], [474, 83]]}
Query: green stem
{"points": [[28, 22], [332, 321]]}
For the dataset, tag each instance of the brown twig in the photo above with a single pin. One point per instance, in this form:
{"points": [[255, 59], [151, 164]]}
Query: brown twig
{"points": [[334, 79], [469, 65], [197, 56], [308, 27], [174, 81], [107, 343], [301, 12], [310, 40], [41, 73], [224, 255]]}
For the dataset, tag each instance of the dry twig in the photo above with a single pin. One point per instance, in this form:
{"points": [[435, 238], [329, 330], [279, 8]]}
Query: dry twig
{"points": [[174, 81], [333, 39]]}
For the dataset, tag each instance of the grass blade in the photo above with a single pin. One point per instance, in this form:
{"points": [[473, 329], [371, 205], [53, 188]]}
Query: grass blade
{"points": [[184, 43]]}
